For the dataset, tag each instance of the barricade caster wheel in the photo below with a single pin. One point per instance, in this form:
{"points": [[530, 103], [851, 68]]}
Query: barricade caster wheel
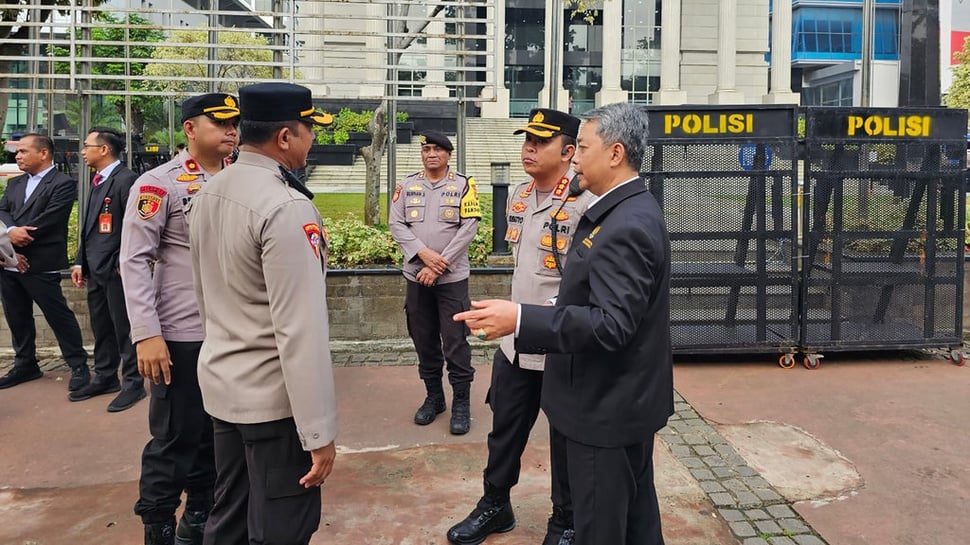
{"points": [[812, 361], [787, 361], [958, 357]]}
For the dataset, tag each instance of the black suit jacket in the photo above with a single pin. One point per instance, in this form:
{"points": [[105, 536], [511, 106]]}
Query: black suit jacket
{"points": [[98, 253], [608, 379], [48, 209]]}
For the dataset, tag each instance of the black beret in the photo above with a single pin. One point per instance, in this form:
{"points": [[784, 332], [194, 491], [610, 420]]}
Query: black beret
{"points": [[277, 101], [546, 123], [436, 138], [218, 106]]}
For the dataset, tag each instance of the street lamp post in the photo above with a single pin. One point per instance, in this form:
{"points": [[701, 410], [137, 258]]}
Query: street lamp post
{"points": [[500, 196]]}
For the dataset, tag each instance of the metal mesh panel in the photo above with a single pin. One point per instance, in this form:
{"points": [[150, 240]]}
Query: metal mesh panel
{"points": [[884, 219], [726, 184]]}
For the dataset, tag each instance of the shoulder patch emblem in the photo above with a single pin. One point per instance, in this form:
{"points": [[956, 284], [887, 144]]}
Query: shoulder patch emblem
{"points": [[397, 192], [149, 201], [186, 177], [314, 237]]}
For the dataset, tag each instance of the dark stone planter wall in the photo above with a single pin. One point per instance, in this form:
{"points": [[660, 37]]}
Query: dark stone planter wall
{"points": [[363, 305]]}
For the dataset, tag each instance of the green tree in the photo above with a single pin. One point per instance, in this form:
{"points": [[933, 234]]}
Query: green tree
{"points": [[112, 32], [959, 93], [237, 64]]}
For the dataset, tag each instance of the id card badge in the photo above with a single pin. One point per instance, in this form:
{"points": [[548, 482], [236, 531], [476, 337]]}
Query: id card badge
{"points": [[104, 223]]}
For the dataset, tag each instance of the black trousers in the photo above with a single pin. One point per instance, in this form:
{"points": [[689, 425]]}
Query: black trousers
{"points": [[514, 398], [112, 333], [438, 339], [19, 293], [259, 498], [614, 499], [179, 455]]}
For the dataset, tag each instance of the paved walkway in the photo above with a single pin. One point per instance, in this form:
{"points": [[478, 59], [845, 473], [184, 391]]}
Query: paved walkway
{"points": [[755, 454]]}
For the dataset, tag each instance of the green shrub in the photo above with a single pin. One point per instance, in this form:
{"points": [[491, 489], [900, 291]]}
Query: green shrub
{"points": [[401, 117], [354, 245]]}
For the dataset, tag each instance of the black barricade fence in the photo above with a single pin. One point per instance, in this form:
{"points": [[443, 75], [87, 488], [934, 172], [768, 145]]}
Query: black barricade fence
{"points": [[884, 218], [726, 178]]}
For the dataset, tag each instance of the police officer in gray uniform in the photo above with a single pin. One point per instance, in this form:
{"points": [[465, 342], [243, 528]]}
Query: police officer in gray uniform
{"points": [[434, 217], [156, 271], [542, 214], [258, 254]]}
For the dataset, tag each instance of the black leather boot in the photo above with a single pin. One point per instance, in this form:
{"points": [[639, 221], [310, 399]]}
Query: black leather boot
{"points": [[461, 413], [160, 533], [434, 403], [191, 528], [492, 515], [560, 528]]}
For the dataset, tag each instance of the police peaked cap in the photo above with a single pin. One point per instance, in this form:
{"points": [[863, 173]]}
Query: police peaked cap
{"points": [[546, 123], [436, 138], [218, 106], [277, 101]]}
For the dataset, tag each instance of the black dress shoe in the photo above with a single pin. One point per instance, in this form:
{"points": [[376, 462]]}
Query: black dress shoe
{"points": [[95, 388], [566, 537], [126, 400], [19, 375], [80, 377], [489, 517]]}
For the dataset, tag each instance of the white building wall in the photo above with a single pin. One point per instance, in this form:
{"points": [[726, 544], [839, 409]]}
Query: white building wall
{"points": [[698, 71]]}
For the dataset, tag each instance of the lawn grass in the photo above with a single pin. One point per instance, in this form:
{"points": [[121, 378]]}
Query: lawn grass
{"points": [[338, 206]]}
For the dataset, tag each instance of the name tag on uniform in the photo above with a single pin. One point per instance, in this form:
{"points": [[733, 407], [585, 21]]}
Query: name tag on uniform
{"points": [[104, 223]]}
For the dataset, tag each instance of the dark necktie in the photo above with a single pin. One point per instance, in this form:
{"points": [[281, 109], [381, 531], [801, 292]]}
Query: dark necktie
{"points": [[97, 179]]}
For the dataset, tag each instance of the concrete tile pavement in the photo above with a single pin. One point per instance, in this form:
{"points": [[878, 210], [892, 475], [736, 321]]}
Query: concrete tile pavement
{"points": [[70, 469]]}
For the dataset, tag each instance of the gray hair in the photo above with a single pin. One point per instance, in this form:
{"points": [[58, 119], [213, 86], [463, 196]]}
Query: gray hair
{"points": [[624, 124]]}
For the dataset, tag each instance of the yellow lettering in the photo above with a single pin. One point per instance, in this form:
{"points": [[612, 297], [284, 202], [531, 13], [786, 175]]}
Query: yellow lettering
{"points": [[736, 123], [708, 129], [873, 125], [926, 126], [692, 123], [750, 122], [671, 122], [855, 122]]}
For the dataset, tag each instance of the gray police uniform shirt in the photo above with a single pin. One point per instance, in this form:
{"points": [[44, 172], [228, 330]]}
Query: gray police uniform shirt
{"points": [[536, 279], [442, 216], [258, 252], [8, 257], [156, 268]]}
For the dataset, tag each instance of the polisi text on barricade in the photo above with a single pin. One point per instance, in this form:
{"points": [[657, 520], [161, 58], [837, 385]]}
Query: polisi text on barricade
{"points": [[726, 123], [902, 126]]}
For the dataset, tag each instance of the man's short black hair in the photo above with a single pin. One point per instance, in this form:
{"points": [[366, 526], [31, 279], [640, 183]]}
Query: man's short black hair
{"points": [[41, 141], [111, 138]]}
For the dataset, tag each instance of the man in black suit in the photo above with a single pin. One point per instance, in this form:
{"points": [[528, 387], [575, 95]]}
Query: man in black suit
{"points": [[608, 385], [97, 267], [36, 207]]}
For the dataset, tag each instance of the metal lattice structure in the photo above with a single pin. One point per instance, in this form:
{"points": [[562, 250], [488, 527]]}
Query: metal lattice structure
{"points": [[884, 228], [131, 49], [726, 178]]}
